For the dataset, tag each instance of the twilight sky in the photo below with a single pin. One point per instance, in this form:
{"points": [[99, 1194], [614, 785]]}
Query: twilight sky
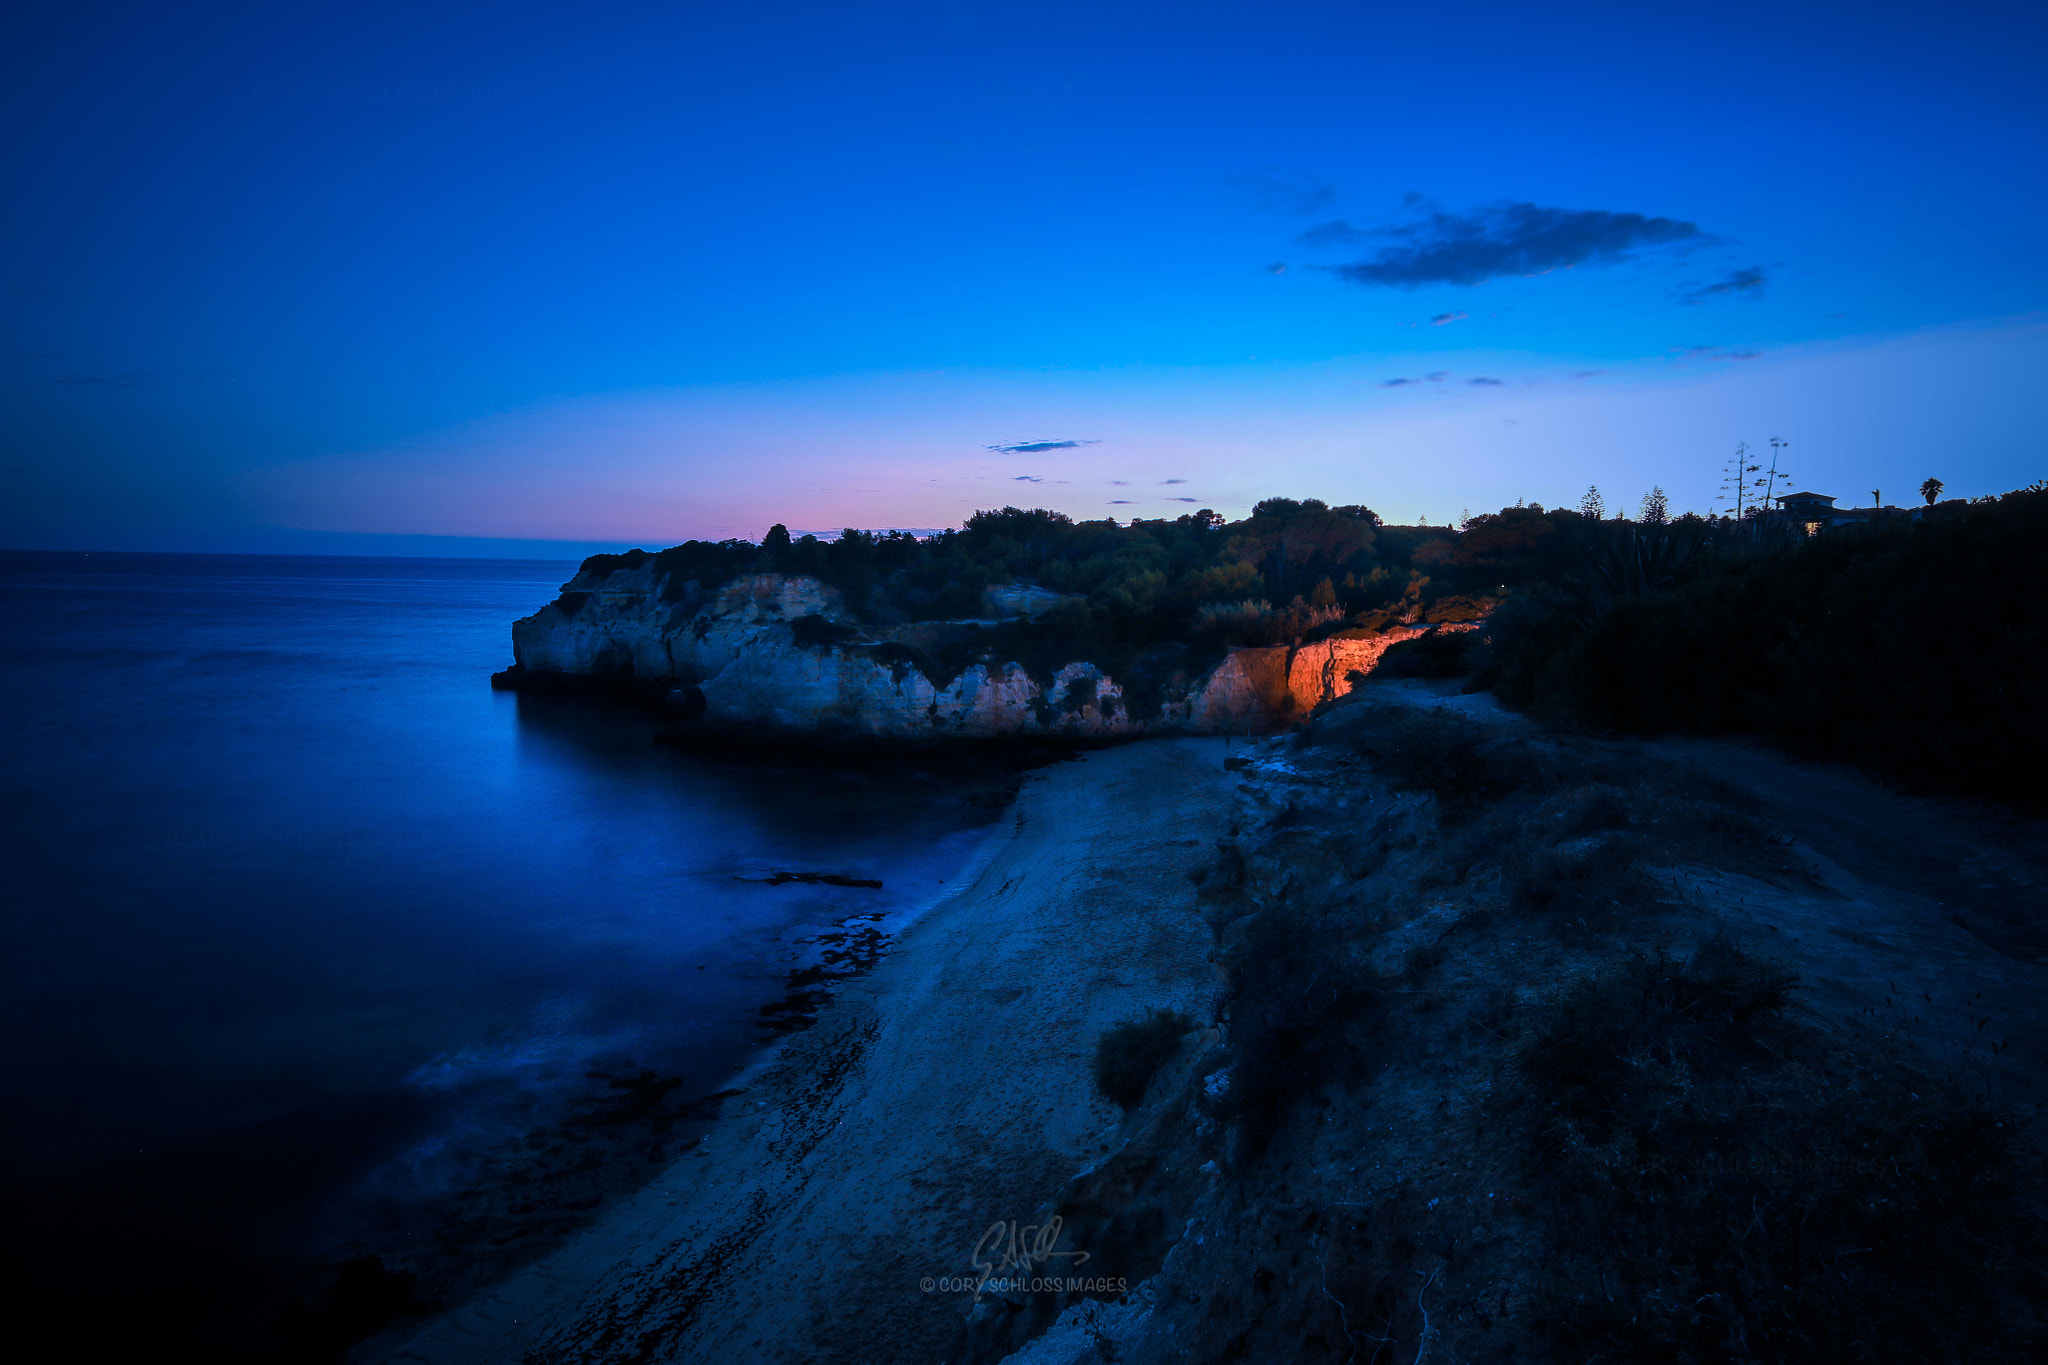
{"points": [[434, 278]]}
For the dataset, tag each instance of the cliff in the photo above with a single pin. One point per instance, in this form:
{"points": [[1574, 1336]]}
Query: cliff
{"points": [[774, 652]]}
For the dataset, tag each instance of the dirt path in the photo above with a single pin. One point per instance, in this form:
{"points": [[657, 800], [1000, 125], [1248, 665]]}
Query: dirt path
{"points": [[945, 1092]]}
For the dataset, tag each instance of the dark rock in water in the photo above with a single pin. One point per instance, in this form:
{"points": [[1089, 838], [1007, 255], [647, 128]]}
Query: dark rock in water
{"points": [[683, 703], [822, 879]]}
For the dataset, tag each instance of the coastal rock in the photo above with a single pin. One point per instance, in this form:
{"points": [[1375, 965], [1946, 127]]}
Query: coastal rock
{"points": [[772, 652]]}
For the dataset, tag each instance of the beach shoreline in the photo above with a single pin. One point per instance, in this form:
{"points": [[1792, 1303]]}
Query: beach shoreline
{"points": [[945, 1091]]}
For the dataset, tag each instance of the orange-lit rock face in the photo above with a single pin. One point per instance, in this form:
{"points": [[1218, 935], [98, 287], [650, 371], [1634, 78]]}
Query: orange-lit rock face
{"points": [[738, 645]]}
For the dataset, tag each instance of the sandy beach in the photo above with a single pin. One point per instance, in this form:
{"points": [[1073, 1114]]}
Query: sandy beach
{"points": [[945, 1092]]}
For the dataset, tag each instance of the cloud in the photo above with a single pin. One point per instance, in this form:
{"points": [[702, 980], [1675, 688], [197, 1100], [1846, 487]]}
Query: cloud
{"points": [[1038, 447], [1285, 191], [1164, 482], [1335, 233], [1026, 478], [1485, 379], [1120, 502], [1395, 383], [1442, 247], [1119, 483], [1277, 268], [1183, 499], [1684, 353], [1439, 376], [1442, 318], [1749, 280]]}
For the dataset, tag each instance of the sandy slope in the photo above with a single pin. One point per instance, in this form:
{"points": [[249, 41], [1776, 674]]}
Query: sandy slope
{"points": [[946, 1091]]}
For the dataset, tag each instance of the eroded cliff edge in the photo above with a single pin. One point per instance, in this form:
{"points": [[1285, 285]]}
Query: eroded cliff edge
{"points": [[769, 652]]}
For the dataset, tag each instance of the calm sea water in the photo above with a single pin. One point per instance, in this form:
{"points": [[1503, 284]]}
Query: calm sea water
{"points": [[298, 908]]}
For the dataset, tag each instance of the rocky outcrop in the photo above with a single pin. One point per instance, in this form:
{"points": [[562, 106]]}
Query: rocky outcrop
{"points": [[768, 652]]}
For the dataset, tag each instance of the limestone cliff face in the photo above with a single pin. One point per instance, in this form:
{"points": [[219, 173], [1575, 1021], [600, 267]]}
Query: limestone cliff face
{"points": [[772, 652]]}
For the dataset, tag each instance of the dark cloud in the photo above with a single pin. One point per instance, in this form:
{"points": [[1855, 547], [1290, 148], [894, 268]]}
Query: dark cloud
{"points": [[1164, 482], [1183, 499], [1442, 318], [1037, 447], [1395, 383], [1336, 233], [1485, 379], [1749, 280], [1285, 191], [1441, 247], [1026, 478], [1120, 502]]}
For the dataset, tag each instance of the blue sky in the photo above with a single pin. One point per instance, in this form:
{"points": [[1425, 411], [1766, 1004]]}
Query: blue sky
{"points": [[305, 277]]}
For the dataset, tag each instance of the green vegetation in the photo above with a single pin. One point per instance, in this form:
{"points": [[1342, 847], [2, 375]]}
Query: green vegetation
{"points": [[1142, 601], [1918, 649], [1149, 577]]}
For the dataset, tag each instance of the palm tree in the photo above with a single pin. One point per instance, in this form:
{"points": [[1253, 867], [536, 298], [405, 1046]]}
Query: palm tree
{"points": [[1931, 490]]}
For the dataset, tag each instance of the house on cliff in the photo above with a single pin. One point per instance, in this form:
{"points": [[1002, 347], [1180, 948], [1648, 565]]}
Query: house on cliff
{"points": [[1817, 512]]}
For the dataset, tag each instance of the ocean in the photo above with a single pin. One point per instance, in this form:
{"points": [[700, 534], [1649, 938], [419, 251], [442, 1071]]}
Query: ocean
{"points": [[313, 941]]}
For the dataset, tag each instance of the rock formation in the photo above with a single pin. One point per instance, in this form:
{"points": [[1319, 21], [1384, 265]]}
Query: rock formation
{"points": [[769, 652]]}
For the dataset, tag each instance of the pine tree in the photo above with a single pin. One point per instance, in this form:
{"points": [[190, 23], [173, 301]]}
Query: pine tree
{"points": [[1591, 505]]}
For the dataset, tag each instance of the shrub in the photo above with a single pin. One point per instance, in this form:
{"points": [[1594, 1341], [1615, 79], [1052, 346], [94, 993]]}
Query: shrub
{"points": [[1307, 1009], [1914, 650], [818, 632], [1443, 754], [1439, 654], [1130, 1054]]}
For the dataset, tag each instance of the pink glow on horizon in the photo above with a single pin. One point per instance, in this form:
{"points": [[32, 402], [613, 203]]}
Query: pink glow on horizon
{"points": [[912, 450]]}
